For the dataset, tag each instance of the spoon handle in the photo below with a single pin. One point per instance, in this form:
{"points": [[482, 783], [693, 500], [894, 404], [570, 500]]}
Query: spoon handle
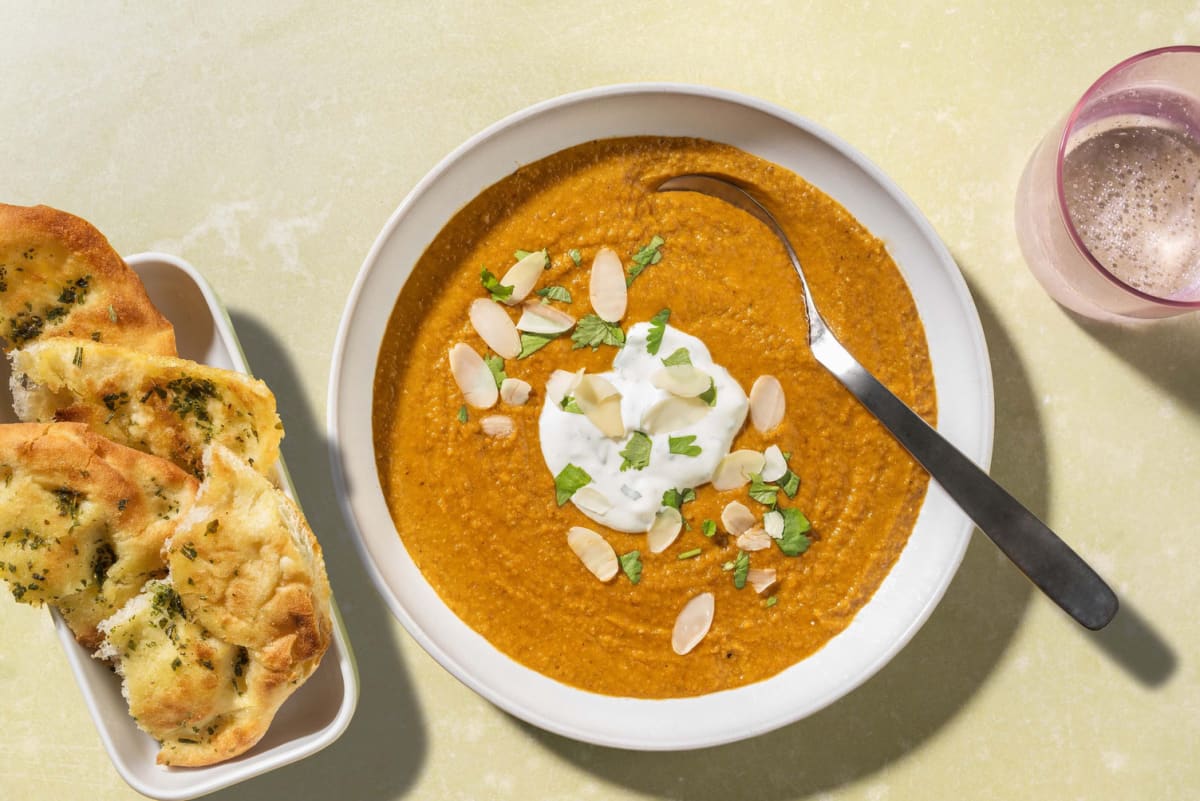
{"points": [[1048, 561]]}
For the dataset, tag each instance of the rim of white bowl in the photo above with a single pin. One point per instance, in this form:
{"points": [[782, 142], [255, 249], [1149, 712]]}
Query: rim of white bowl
{"points": [[978, 449]]}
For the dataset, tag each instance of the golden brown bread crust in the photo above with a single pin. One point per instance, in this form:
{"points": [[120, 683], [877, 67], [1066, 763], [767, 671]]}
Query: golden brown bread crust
{"points": [[167, 406], [82, 519], [59, 277], [242, 620]]}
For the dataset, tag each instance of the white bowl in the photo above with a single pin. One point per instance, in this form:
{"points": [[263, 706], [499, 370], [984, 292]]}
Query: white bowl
{"points": [[316, 714], [961, 374]]}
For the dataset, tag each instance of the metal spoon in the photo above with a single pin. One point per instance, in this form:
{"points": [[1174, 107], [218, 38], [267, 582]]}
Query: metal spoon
{"points": [[1048, 561]]}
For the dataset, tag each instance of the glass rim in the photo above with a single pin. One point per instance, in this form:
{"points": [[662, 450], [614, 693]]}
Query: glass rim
{"points": [[1076, 110]]}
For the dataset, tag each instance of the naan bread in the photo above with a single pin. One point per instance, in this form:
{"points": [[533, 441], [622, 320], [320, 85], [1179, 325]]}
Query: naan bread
{"points": [[166, 406], [59, 277], [83, 520]]}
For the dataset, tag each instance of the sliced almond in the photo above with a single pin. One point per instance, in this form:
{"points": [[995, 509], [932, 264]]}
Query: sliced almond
{"points": [[495, 327], [671, 414], [594, 551], [601, 404], [774, 465], [754, 539], [766, 403], [665, 528], [761, 580], [514, 391], [497, 425], [538, 318], [736, 517], [735, 469], [682, 380], [773, 524], [590, 499], [693, 623], [607, 289], [523, 276], [560, 384], [473, 377]]}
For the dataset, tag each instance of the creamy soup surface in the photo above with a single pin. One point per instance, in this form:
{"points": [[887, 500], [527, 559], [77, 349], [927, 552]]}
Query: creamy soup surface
{"points": [[478, 513]]}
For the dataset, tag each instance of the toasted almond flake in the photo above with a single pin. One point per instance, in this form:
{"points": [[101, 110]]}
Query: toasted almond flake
{"points": [[761, 580], [735, 469], [736, 517], [497, 425], [600, 402], [754, 540], [591, 500], [665, 528], [672, 414], [682, 380], [693, 623], [773, 524], [473, 377], [495, 327], [774, 465], [537, 318], [522, 277], [594, 551], [514, 391], [607, 290], [560, 384], [766, 403]]}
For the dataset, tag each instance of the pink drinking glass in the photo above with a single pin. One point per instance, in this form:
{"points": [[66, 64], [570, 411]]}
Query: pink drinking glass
{"points": [[1158, 89]]}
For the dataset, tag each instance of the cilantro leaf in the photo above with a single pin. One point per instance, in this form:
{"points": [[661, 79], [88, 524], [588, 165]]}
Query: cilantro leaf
{"points": [[683, 445], [532, 343], [593, 332], [741, 569], [576, 256], [462, 414], [567, 482], [555, 293], [774, 599], [708, 528], [677, 497], [658, 325], [648, 255], [764, 493], [521, 254], [790, 484], [496, 365], [631, 565], [637, 452], [709, 395], [680, 356], [568, 404], [793, 542], [492, 284]]}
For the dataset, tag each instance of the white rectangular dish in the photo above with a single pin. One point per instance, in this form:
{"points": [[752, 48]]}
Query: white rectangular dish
{"points": [[318, 713]]}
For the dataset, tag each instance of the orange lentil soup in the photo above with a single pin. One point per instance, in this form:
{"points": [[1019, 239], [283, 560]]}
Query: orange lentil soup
{"points": [[478, 512]]}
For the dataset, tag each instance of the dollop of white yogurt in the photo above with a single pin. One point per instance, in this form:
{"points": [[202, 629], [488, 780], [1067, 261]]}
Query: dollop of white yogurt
{"points": [[636, 495]]}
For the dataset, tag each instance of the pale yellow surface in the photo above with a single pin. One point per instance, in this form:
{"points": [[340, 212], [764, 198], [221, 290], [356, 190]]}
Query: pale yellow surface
{"points": [[269, 145]]}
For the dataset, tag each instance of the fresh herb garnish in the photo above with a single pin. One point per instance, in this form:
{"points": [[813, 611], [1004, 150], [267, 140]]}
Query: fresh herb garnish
{"points": [[189, 551], [694, 552], [741, 569], [790, 484], [555, 293], [774, 599], [658, 326], [496, 365], [568, 482], [112, 313], [683, 445], [568, 404], [462, 413], [631, 566], [678, 497], [67, 501], [532, 343], [795, 524], [492, 284], [576, 256], [708, 528], [593, 332], [636, 455], [680, 356], [77, 359], [762, 492], [521, 254], [709, 395], [648, 255]]}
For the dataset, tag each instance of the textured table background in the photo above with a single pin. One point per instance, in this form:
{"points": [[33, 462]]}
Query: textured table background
{"points": [[267, 144]]}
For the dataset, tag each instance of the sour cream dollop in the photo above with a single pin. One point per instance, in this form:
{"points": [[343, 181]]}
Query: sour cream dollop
{"points": [[635, 496]]}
